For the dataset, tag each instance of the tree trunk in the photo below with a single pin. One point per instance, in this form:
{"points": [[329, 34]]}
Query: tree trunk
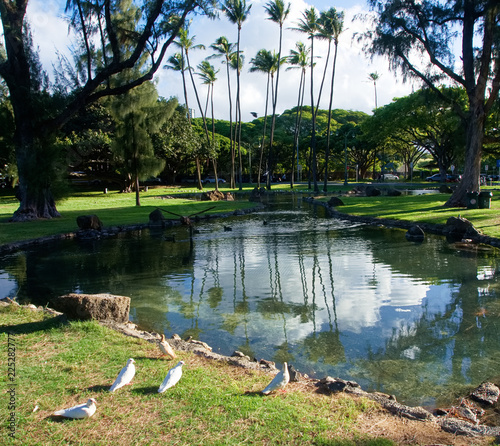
{"points": [[473, 149]]}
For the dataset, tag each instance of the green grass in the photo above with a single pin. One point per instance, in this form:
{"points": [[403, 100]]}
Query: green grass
{"points": [[428, 208], [62, 364]]}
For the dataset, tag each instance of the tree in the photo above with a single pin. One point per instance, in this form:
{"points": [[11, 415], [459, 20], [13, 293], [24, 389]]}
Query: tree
{"points": [[152, 33], [278, 13], [209, 76], [331, 26], [223, 48], [408, 32], [374, 77], [418, 123], [309, 25], [137, 115], [265, 62], [298, 58], [237, 12]]}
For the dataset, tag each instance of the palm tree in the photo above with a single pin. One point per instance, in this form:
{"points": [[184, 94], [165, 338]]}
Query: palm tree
{"points": [[177, 62], [309, 25], [265, 62], [185, 43], [237, 12], [298, 59], [225, 49], [278, 13], [209, 76], [331, 26], [374, 77]]}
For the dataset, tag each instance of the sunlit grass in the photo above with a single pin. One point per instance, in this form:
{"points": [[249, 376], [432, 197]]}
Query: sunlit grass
{"points": [[62, 364]]}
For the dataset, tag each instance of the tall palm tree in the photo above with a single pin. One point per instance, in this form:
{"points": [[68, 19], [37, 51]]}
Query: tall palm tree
{"points": [[278, 13], [237, 12], [186, 43], [331, 26], [310, 26], [265, 62], [177, 62], [208, 75], [374, 77], [223, 48], [298, 58]]}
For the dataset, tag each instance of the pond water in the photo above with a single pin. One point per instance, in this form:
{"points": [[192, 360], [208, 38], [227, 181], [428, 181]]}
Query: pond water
{"points": [[421, 321]]}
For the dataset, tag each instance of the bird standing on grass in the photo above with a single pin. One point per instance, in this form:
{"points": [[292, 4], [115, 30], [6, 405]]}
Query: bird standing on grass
{"points": [[80, 411], [125, 376], [172, 378], [166, 348], [279, 381]]}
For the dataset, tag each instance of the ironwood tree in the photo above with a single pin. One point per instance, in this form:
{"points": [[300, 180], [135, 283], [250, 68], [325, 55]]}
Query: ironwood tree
{"points": [[419, 37], [98, 24]]}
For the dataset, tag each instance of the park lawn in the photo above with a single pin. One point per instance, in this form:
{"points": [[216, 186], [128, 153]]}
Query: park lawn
{"points": [[59, 364], [113, 209], [427, 208]]}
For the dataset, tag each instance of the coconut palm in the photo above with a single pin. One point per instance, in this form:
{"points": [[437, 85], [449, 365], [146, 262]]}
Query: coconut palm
{"points": [[237, 12], [177, 62], [223, 48], [310, 26], [265, 62], [186, 43], [374, 77], [331, 26], [298, 58], [208, 75], [278, 13]]}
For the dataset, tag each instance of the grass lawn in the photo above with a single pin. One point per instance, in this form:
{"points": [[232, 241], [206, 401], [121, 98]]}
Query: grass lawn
{"points": [[58, 365], [428, 208]]}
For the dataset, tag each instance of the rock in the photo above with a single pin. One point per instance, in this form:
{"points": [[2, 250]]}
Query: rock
{"points": [[93, 306], [336, 384], [295, 375], [257, 194], [156, 218], [486, 393], [228, 197], [335, 201], [212, 195], [391, 192], [415, 234], [458, 228], [86, 222], [238, 354], [445, 189], [372, 191], [460, 427]]}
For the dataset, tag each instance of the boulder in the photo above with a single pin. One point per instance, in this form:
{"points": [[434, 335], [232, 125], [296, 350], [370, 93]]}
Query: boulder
{"points": [[335, 201], [156, 218], [105, 307], [372, 191], [391, 192], [458, 228], [486, 393], [86, 222], [228, 197], [212, 195], [415, 234]]}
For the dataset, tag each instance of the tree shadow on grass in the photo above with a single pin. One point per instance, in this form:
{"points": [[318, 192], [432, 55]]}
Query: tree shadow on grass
{"points": [[32, 327]]}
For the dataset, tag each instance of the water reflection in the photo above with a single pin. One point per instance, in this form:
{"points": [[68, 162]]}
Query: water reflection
{"points": [[418, 320]]}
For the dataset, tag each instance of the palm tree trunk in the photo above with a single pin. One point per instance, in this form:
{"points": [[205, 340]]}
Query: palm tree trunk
{"points": [[327, 151], [263, 133]]}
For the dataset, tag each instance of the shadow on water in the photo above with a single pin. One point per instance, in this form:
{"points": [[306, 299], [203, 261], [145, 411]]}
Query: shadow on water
{"points": [[288, 284]]}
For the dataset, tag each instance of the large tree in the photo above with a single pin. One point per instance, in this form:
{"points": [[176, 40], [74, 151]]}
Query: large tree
{"points": [[156, 25], [419, 38]]}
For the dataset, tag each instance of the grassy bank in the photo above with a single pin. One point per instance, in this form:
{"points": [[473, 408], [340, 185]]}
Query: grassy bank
{"points": [[428, 208], [59, 364]]}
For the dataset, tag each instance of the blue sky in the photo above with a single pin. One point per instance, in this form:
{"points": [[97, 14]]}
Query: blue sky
{"points": [[352, 87]]}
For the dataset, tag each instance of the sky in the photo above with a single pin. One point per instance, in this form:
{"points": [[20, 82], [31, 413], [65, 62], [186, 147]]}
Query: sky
{"points": [[353, 90]]}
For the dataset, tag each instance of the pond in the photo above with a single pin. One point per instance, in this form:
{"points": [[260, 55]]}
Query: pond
{"points": [[421, 321]]}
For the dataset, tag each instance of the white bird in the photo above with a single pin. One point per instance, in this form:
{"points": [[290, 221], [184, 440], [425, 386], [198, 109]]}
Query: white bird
{"points": [[172, 378], [279, 381], [80, 411], [166, 348], [125, 376]]}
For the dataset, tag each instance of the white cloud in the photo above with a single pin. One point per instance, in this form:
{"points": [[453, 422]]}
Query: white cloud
{"points": [[352, 88]]}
